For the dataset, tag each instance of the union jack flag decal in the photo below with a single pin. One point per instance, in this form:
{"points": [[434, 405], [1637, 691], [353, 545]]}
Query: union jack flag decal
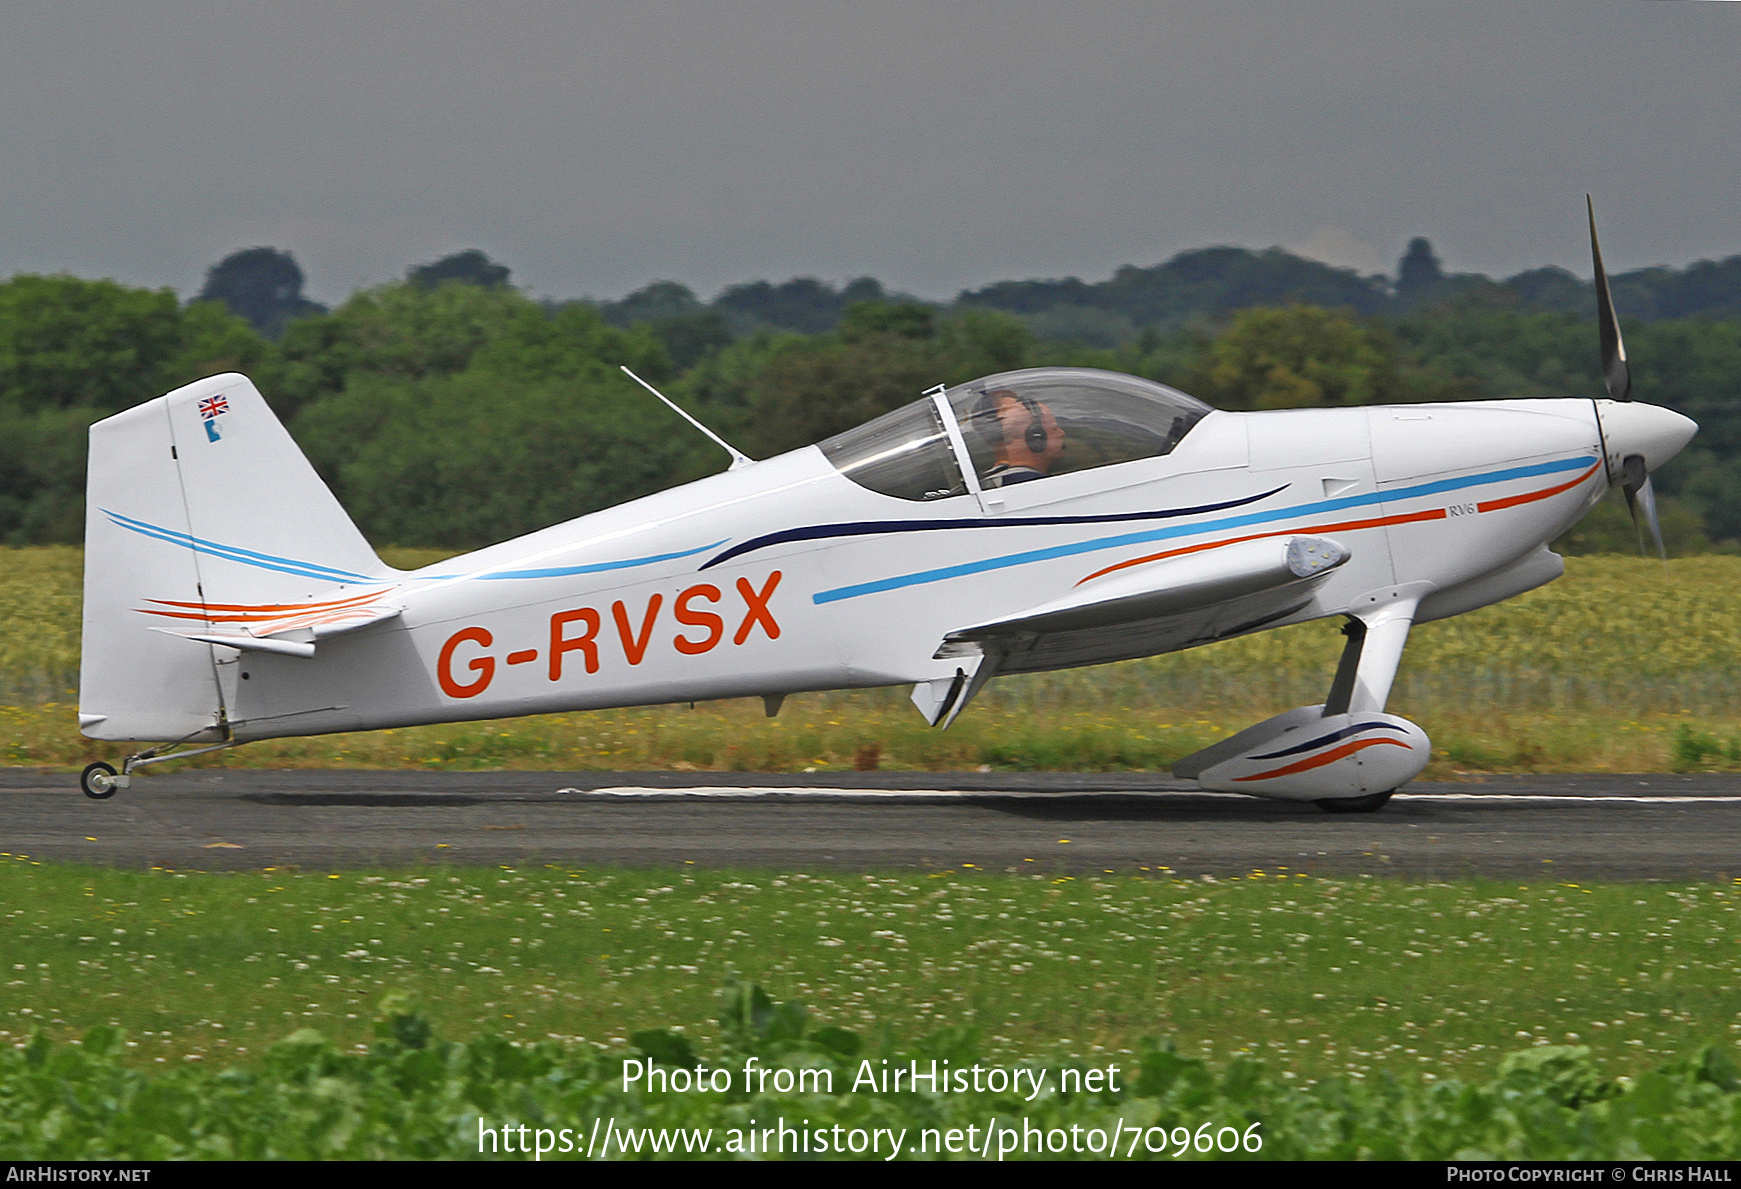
{"points": [[211, 406]]}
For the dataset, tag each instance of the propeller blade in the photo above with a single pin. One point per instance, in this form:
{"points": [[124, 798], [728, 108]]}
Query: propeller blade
{"points": [[1640, 494], [1632, 477], [1647, 500], [1614, 370]]}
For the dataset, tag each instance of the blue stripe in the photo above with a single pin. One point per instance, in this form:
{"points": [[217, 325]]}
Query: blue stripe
{"points": [[246, 557], [602, 566], [944, 573], [822, 532]]}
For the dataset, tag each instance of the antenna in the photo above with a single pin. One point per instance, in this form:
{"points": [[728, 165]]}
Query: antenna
{"points": [[738, 459]]}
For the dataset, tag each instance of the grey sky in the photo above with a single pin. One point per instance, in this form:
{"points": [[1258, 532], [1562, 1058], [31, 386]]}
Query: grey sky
{"points": [[935, 145]]}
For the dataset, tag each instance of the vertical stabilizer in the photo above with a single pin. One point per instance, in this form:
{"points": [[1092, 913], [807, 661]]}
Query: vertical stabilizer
{"points": [[200, 509]]}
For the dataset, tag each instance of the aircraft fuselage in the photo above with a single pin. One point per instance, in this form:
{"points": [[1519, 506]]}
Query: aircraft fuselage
{"points": [[786, 576]]}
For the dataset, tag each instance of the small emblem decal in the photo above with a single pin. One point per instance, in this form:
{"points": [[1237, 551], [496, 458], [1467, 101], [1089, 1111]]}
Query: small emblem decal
{"points": [[210, 409]]}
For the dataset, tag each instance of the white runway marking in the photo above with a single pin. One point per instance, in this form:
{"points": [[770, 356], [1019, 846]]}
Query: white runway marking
{"points": [[765, 793], [769, 793], [1617, 798]]}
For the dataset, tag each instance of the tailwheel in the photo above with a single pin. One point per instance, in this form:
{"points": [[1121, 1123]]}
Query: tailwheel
{"points": [[1371, 803], [98, 781]]}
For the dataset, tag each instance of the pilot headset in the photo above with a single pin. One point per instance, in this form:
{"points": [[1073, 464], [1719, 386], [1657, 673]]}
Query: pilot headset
{"points": [[985, 416]]}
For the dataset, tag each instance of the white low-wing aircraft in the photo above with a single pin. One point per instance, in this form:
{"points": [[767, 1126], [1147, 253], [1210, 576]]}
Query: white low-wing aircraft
{"points": [[1033, 520]]}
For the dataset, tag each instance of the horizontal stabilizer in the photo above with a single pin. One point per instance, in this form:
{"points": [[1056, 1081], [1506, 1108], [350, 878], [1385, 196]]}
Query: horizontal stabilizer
{"points": [[246, 643], [1174, 586], [361, 618], [286, 629]]}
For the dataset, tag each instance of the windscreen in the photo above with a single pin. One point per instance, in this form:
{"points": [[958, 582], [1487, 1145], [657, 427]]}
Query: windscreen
{"points": [[905, 454]]}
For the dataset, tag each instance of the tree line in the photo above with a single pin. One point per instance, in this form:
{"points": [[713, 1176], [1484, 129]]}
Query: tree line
{"points": [[452, 409]]}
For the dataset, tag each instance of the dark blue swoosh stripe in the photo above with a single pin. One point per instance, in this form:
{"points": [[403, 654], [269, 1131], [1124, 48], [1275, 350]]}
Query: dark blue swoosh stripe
{"points": [[862, 528], [1330, 738]]}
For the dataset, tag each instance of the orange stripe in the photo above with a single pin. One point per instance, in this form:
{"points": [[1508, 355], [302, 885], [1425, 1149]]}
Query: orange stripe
{"points": [[262, 608], [1334, 754], [1351, 525], [1511, 501], [1345, 526], [209, 618], [261, 612]]}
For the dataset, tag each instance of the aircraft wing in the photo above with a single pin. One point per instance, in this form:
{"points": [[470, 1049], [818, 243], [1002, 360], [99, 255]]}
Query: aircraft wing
{"points": [[1157, 607], [1175, 586]]}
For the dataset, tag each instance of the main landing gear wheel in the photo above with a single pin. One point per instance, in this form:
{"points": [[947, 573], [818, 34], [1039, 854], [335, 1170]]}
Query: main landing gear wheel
{"points": [[98, 781], [1371, 803]]}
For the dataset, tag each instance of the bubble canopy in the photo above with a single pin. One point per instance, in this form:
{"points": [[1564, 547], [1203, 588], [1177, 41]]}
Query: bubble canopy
{"points": [[1014, 427]]}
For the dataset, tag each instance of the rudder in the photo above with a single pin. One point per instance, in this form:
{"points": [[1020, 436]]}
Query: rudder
{"points": [[199, 506]]}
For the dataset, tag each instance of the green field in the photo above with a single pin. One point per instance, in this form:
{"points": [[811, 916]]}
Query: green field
{"points": [[1624, 665], [1317, 977], [1348, 1017]]}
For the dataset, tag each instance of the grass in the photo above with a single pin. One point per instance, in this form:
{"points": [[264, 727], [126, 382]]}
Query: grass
{"points": [[1316, 977], [41, 589]]}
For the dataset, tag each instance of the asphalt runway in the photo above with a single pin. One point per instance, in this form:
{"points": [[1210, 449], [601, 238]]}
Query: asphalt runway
{"points": [[1535, 827]]}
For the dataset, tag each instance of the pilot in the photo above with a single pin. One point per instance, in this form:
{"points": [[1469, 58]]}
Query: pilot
{"points": [[1026, 437]]}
